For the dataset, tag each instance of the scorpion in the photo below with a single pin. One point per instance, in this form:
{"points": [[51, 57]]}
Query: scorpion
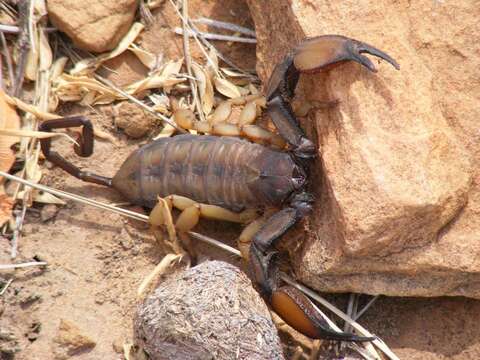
{"points": [[230, 174]]}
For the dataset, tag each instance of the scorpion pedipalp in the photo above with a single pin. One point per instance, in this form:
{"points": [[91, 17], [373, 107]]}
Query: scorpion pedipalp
{"points": [[292, 305], [314, 54], [298, 311], [323, 51]]}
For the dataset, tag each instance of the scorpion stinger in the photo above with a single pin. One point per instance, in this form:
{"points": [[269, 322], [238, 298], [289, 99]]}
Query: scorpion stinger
{"points": [[84, 148], [314, 54]]}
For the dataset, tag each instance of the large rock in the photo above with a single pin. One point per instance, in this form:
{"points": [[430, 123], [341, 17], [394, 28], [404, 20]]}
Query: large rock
{"points": [[93, 25], [399, 196], [210, 311]]}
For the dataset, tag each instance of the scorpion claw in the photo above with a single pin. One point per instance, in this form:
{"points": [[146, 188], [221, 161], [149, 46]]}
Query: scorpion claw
{"points": [[288, 302], [314, 54], [368, 49], [299, 312], [324, 51]]}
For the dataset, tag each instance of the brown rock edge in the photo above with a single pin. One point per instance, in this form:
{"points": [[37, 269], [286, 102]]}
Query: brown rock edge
{"points": [[398, 210], [93, 25]]}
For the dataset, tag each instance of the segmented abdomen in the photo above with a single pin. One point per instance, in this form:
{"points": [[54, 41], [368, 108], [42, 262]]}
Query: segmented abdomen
{"points": [[223, 171], [207, 169]]}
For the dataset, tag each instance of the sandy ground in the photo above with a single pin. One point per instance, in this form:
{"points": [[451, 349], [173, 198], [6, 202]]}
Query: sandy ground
{"points": [[97, 260]]}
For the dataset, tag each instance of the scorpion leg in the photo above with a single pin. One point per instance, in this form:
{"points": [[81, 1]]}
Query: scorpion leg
{"points": [[315, 54], [288, 302], [252, 132], [192, 211], [84, 148]]}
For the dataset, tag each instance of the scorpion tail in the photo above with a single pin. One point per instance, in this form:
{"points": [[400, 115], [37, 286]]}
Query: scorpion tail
{"points": [[84, 148]]}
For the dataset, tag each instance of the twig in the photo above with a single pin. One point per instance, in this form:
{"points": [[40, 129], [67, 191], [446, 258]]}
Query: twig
{"points": [[5, 287], [8, 9], [63, 194], [219, 54], [31, 35], [139, 103], [225, 25], [351, 300], [212, 36], [315, 349], [185, 21], [9, 29], [359, 328], [23, 44], [366, 307], [146, 14], [2, 86], [22, 265], [16, 232], [188, 61], [214, 242], [351, 311], [8, 58], [166, 262], [13, 29], [369, 352]]}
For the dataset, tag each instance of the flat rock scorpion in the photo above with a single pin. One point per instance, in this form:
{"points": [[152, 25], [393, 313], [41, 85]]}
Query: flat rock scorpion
{"points": [[235, 174]]}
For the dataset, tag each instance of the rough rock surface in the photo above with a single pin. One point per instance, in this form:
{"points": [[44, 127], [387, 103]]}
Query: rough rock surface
{"points": [[399, 195], [93, 25], [209, 311]]}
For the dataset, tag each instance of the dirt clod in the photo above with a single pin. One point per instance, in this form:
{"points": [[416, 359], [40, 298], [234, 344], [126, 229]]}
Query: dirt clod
{"points": [[209, 311], [133, 120]]}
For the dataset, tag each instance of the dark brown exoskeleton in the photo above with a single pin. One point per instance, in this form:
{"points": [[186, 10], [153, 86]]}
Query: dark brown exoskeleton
{"points": [[237, 174]]}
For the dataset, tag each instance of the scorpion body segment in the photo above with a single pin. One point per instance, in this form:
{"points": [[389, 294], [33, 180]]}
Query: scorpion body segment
{"points": [[237, 174], [228, 172]]}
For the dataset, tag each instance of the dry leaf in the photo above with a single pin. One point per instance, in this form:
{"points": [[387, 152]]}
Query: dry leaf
{"points": [[85, 89], [47, 198], [212, 61], [226, 88], [45, 51], [40, 8], [205, 87], [231, 73], [164, 265], [147, 58], [41, 197], [9, 121], [32, 134], [103, 135], [31, 109], [161, 103], [167, 131], [127, 40], [6, 207], [153, 4], [58, 67], [33, 170], [88, 66], [172, 68], [166, 77]]}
